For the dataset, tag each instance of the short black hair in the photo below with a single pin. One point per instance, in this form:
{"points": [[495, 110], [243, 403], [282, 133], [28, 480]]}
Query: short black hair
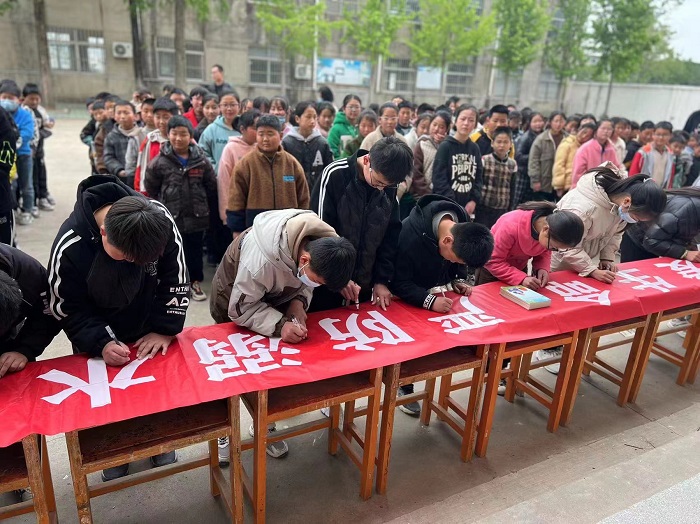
{"points": [[180, 121], [246, 120], [229, 92], [368, 114], [405, 104], [503, 130], [498, 108], [139, 228], [121, 102], [590, 116], [392, 157], [333, 259], [326, 93], [261, 103], [165, 104], [473, 243], [209, 97], [10, 88], [30, 89], [89, 100], [10, 302], [647, 124], [388, 105], [678, 138], [515, 114], [565, 227], [198, 91], [425, 108], [219, 67], [102, 95], [268, 120], [454, 99], [148, 102], [620, 120], [177, 91], [98, 104], [668, 126]]}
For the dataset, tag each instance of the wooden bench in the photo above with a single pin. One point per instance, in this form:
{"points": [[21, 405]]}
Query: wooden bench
{"points": [[278, 404], [23, 465], [519, 379], [430, 368], [588, 360], [688, 361], [94, 449]]}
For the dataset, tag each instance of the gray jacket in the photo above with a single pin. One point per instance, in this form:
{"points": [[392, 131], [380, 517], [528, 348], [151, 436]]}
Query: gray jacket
{"points": [[541, 161]]}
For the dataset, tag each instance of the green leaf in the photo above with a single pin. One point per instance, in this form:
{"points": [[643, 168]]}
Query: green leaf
{"points": [[522, 24]]}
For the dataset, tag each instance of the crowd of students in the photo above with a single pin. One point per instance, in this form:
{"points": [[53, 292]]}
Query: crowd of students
{"points": [[304, 208]]}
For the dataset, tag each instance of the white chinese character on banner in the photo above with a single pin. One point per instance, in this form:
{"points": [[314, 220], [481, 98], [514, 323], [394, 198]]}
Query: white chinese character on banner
{"points": [[473, 318], [250, 355], [390, 333], [98, 385], [685, 268], [644, 281], [577, 291]]}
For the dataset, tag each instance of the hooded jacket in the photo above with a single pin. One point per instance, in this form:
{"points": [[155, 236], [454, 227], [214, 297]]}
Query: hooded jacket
{"points": [[564, 163], [214, 139], [9, 135], [259, 270], [514, 247], [116, 144], [236, 149], [340, 134], [541, 160], [260, 183], [39, 327], [312, 153], [643, 162], [185, 191], [457, 171], [367, 217], [96, 298], [24, 120], [419, 265], [674, 231], [602, 227], [590, 155]]}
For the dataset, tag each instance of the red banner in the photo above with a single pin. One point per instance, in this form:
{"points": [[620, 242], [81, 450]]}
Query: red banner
{"points": [[212, 362]]}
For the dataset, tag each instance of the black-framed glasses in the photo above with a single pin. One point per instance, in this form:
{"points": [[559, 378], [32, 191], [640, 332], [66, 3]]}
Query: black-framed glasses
{"points": [[554, 249], [380, 185]]}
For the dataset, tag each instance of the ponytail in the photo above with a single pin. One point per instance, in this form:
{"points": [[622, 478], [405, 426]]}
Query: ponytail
{"points": [[564, 226], [648, 199], [692, 191]]}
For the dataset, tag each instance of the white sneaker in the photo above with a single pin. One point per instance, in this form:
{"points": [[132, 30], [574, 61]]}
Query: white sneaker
{"points": [[678, 322], [51, 200], [274, 449], [502, 387], [326, 412], [35, 212], [224, 452], [546, 354], [24, 219], [45, 205]]}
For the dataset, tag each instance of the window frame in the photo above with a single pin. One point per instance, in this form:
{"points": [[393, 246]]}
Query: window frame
{"points": [[85, 50], [166, 46]]}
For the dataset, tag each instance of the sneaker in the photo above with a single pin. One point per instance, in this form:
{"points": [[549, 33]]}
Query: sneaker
{"points": [[412, 408], [163, 459], [502, 387], [681, 334], [24, 495], [224, 452], [197, 293], [115, 472], [51, 200], [274, 449], [678, 322], [546, 354], [24, 219], [45, 205], [35, 212], [326, 412]]}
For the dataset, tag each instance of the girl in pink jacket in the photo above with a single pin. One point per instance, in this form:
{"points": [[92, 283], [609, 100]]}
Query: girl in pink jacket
{"points": [[595, 152], [532, 231]]}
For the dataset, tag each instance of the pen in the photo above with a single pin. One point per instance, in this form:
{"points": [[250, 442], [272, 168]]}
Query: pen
{"points": [[357, 305], [295, 321], [443, 293]]}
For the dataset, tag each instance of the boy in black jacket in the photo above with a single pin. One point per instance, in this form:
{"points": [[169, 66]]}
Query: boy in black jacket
{"points": [[436, 246], [26, 326], [101, 302], [357, 197]]}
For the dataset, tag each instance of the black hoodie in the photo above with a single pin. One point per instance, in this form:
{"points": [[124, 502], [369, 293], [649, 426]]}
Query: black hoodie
{"points": [[457, 171], [39, 327], [419, 265], [95, 297]]}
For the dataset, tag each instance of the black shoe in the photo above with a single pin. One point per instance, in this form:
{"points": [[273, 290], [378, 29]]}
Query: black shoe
{"points": [[412, 408], [164, 459], [115, 473]]}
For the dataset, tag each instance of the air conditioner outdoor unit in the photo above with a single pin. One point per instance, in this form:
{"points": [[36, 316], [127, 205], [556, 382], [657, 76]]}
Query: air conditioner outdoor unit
{"points": [[122, 50], [302, 72]]}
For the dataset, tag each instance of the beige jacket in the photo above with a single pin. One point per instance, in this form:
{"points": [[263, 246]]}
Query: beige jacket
{"points": [[375, 136], [602, 227], [266, 274], [564, 163]]}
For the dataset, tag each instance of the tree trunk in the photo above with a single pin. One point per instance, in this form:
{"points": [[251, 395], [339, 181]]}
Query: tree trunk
{"points": [[607, 100], [136, 42], [43, 49], [180, 58], [283, 68], [505, 88], [561, 93]]}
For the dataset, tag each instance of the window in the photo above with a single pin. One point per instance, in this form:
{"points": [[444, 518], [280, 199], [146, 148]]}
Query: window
{"points": [[265, 66], [194, 58], [548, 86], [514, 80], [76, 50], [459, 78], [338, 7], [399, 76]]}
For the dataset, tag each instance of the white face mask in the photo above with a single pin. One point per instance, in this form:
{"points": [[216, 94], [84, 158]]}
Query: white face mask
{"points": [[624, 215], [305, 278]]}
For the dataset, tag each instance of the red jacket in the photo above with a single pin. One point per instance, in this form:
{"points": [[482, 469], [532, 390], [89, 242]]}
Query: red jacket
{"points": [[643, 163], [514, 247], [191, 117], [150, 148]]}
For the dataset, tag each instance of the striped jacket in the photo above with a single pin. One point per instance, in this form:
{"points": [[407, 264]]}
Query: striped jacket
{"points": [[96, 298]]}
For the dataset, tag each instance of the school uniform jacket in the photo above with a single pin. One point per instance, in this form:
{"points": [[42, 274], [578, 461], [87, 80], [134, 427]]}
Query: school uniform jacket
{"points": [[96, 298], [311, 152]]}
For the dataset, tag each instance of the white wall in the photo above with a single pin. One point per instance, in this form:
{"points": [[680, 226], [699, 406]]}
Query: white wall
{"points": [[635, 101]]}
